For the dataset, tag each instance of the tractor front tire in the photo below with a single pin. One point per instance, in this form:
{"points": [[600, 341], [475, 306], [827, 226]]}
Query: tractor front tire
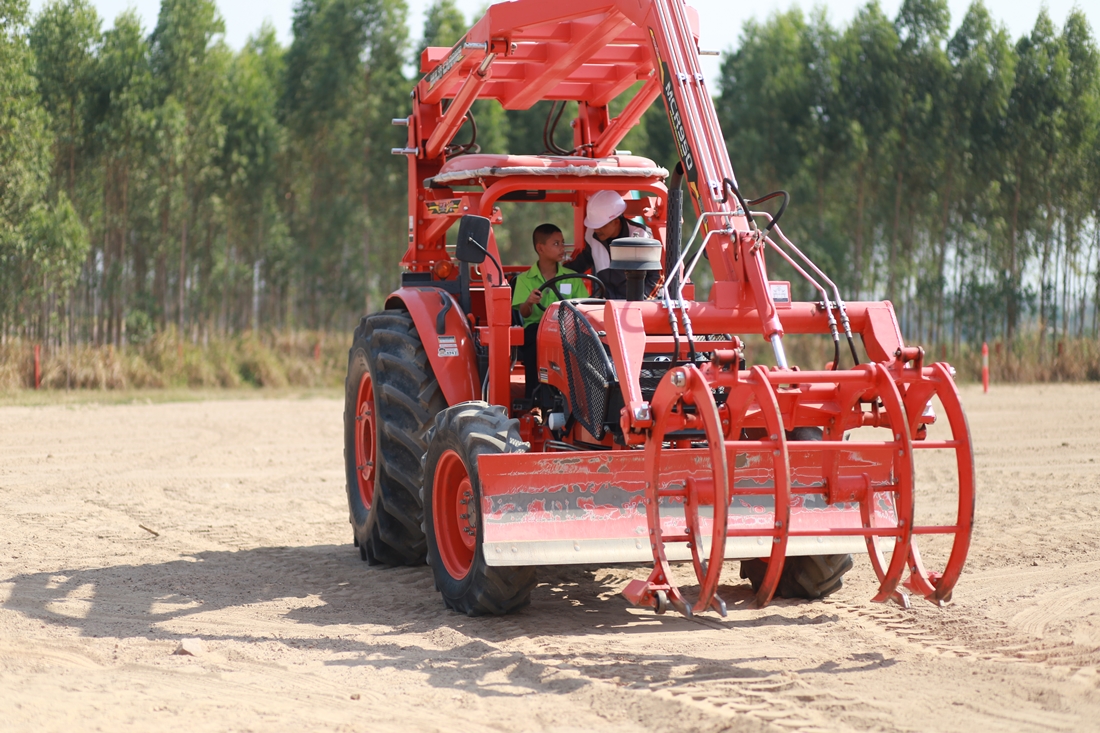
{"points": [[391, 397], [452, 511], [812, 576]]}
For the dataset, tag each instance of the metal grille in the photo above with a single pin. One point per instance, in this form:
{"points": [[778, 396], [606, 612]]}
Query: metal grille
{"points": [[588, 369], [654, 368]]}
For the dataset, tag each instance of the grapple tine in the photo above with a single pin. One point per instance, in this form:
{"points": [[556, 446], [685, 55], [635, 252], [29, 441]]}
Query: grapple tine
{"points": [[680, 387], [887, 392], [920, 581], [681, 605], [780, 459], [936, 381]]}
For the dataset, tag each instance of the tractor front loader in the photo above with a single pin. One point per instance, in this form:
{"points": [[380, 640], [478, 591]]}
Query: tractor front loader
{"points": [[649, 438]]}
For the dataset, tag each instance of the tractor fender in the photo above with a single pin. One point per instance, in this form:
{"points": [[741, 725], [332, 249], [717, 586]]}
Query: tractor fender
{"points": [[451, 354]]}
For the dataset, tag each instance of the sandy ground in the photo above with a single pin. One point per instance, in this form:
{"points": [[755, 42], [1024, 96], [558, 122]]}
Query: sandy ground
{"points": [[252, 555]]}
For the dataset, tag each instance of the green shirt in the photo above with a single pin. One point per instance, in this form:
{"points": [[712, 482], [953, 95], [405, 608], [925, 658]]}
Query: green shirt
{"points": [[532, 280]]}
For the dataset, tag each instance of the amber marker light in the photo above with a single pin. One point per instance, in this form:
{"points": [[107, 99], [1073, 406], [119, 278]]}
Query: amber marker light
{"points": [[443, 269]]}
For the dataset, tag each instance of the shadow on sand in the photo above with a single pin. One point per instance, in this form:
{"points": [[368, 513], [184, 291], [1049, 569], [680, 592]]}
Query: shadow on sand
{"points": [[143, 601]]}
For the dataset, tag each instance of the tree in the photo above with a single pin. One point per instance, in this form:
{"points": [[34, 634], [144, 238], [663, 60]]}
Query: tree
{"points": [[122, 125], [768, 81], [868, 102], [163, 178], [189, 68], [24, 163], [344, 84], [64, 40], [443, 26], [924, 88], [1033, 133], [254, 143], [983, 68], [1075, 187], [57, 245]]}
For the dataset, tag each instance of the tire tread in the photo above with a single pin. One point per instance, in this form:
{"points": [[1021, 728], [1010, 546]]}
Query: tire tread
{"points": [[488, 590], [407, 396]]}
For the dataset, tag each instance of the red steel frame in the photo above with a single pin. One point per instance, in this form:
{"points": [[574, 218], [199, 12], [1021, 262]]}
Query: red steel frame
{"points": [[590, 52]]}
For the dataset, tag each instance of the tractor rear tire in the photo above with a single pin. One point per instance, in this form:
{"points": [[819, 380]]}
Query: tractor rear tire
{"points": [[387, 360], [811, 576], [452, 511]]}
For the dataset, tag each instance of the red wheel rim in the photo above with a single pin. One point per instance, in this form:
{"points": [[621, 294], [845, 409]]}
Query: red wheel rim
{"points": [[454, 515], [364, 440]]}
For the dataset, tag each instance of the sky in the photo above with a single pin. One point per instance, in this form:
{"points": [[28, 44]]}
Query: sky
{"points": [[721, 20]]}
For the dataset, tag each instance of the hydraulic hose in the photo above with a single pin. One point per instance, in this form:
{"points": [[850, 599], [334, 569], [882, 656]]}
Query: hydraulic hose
{"points": [[672, 228]]}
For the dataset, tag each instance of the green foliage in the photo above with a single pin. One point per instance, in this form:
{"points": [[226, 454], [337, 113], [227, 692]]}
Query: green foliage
{"points": [[443, 26], [23, 125], [181, 45], [347, 193], [24, 156], [55, 244], [64, 39], [953, 175], [155, 184]]}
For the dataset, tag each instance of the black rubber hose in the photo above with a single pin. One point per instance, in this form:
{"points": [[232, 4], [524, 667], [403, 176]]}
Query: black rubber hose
{"points": [[472, 146], [677, 177], [549, 128], [554, 129], [783, 207], [546, 128], [727, 186], [774, 219], [672, 227], [469, 147]]}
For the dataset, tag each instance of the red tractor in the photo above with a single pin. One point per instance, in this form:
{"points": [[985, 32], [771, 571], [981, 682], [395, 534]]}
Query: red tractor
{"points": [[648, 438]]}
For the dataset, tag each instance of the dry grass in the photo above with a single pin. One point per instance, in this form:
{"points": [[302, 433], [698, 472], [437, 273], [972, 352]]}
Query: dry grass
{"points": [[315, 360], [272, 360], [1073, 360]]}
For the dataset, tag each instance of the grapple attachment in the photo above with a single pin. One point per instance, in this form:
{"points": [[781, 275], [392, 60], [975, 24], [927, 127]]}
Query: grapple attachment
{"points": [[820, 486], [752, 466]]}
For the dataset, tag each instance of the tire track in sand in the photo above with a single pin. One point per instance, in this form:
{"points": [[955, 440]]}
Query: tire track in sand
{"points": [[972, 636], [746, 690]]}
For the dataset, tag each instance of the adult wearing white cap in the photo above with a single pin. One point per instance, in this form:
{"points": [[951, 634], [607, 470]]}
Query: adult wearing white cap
{"points": [[603, 223]]}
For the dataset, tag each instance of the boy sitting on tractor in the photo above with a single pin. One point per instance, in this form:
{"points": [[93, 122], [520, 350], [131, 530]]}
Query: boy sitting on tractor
{"points": [[529, 297]]}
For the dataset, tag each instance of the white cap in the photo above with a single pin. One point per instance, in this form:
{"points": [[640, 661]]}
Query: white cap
{"points": [[603, 208]]}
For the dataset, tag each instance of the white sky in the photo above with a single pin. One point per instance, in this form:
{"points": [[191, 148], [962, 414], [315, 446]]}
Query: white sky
{"points": [[720, 19]]}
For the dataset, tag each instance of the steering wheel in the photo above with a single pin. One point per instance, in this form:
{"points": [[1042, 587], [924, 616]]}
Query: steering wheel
{"points": [[552, 282]]}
